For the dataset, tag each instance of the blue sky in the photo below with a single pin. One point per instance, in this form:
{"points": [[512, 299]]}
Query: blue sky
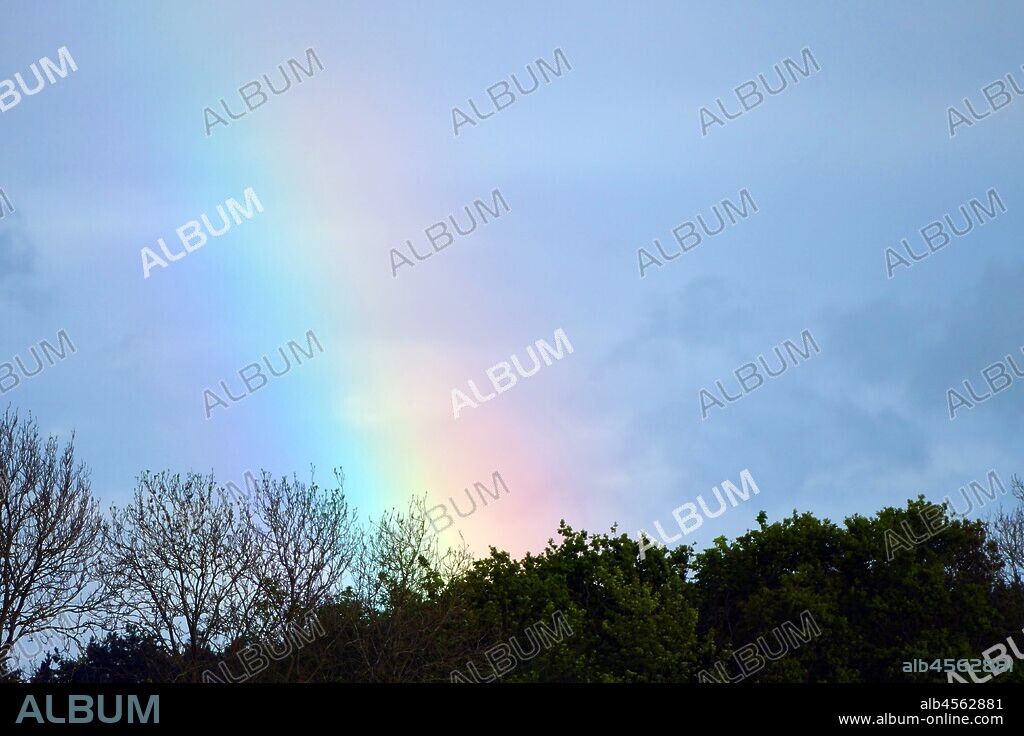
{"points": [[594, 165]]}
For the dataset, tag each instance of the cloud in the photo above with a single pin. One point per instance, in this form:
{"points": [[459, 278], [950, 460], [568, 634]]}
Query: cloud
{"points": [[917, 349], [17, 253], [18, 261], [25, 283], [862, 424]]}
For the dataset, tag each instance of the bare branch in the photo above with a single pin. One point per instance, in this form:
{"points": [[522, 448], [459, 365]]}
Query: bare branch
{"points": [[50, 533]]}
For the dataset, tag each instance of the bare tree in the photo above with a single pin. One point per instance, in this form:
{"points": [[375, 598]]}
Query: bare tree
{"points": [[412, 626], [308, 538], [50, 533], [180, 565], [1008, 532]]}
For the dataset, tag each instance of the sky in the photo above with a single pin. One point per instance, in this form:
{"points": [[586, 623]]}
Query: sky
{"points": [[357, 158]]}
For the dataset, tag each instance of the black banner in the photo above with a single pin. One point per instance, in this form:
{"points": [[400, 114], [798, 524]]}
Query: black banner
{"points": [[279, 706]]}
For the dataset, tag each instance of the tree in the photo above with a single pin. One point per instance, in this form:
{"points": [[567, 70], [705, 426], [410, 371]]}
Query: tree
{"points": [[116, 658], [307, 538], [413, 619], [50, 534], [632, 618], [1008, 532], [905, 583], [182, 567]]}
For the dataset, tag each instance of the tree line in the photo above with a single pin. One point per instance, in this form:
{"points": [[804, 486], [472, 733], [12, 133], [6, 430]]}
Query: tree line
{"points": [[186, 583]]}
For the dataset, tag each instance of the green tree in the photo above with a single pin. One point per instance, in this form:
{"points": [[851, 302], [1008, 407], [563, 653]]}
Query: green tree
{"points": [[902, 584], [632, 620]]}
